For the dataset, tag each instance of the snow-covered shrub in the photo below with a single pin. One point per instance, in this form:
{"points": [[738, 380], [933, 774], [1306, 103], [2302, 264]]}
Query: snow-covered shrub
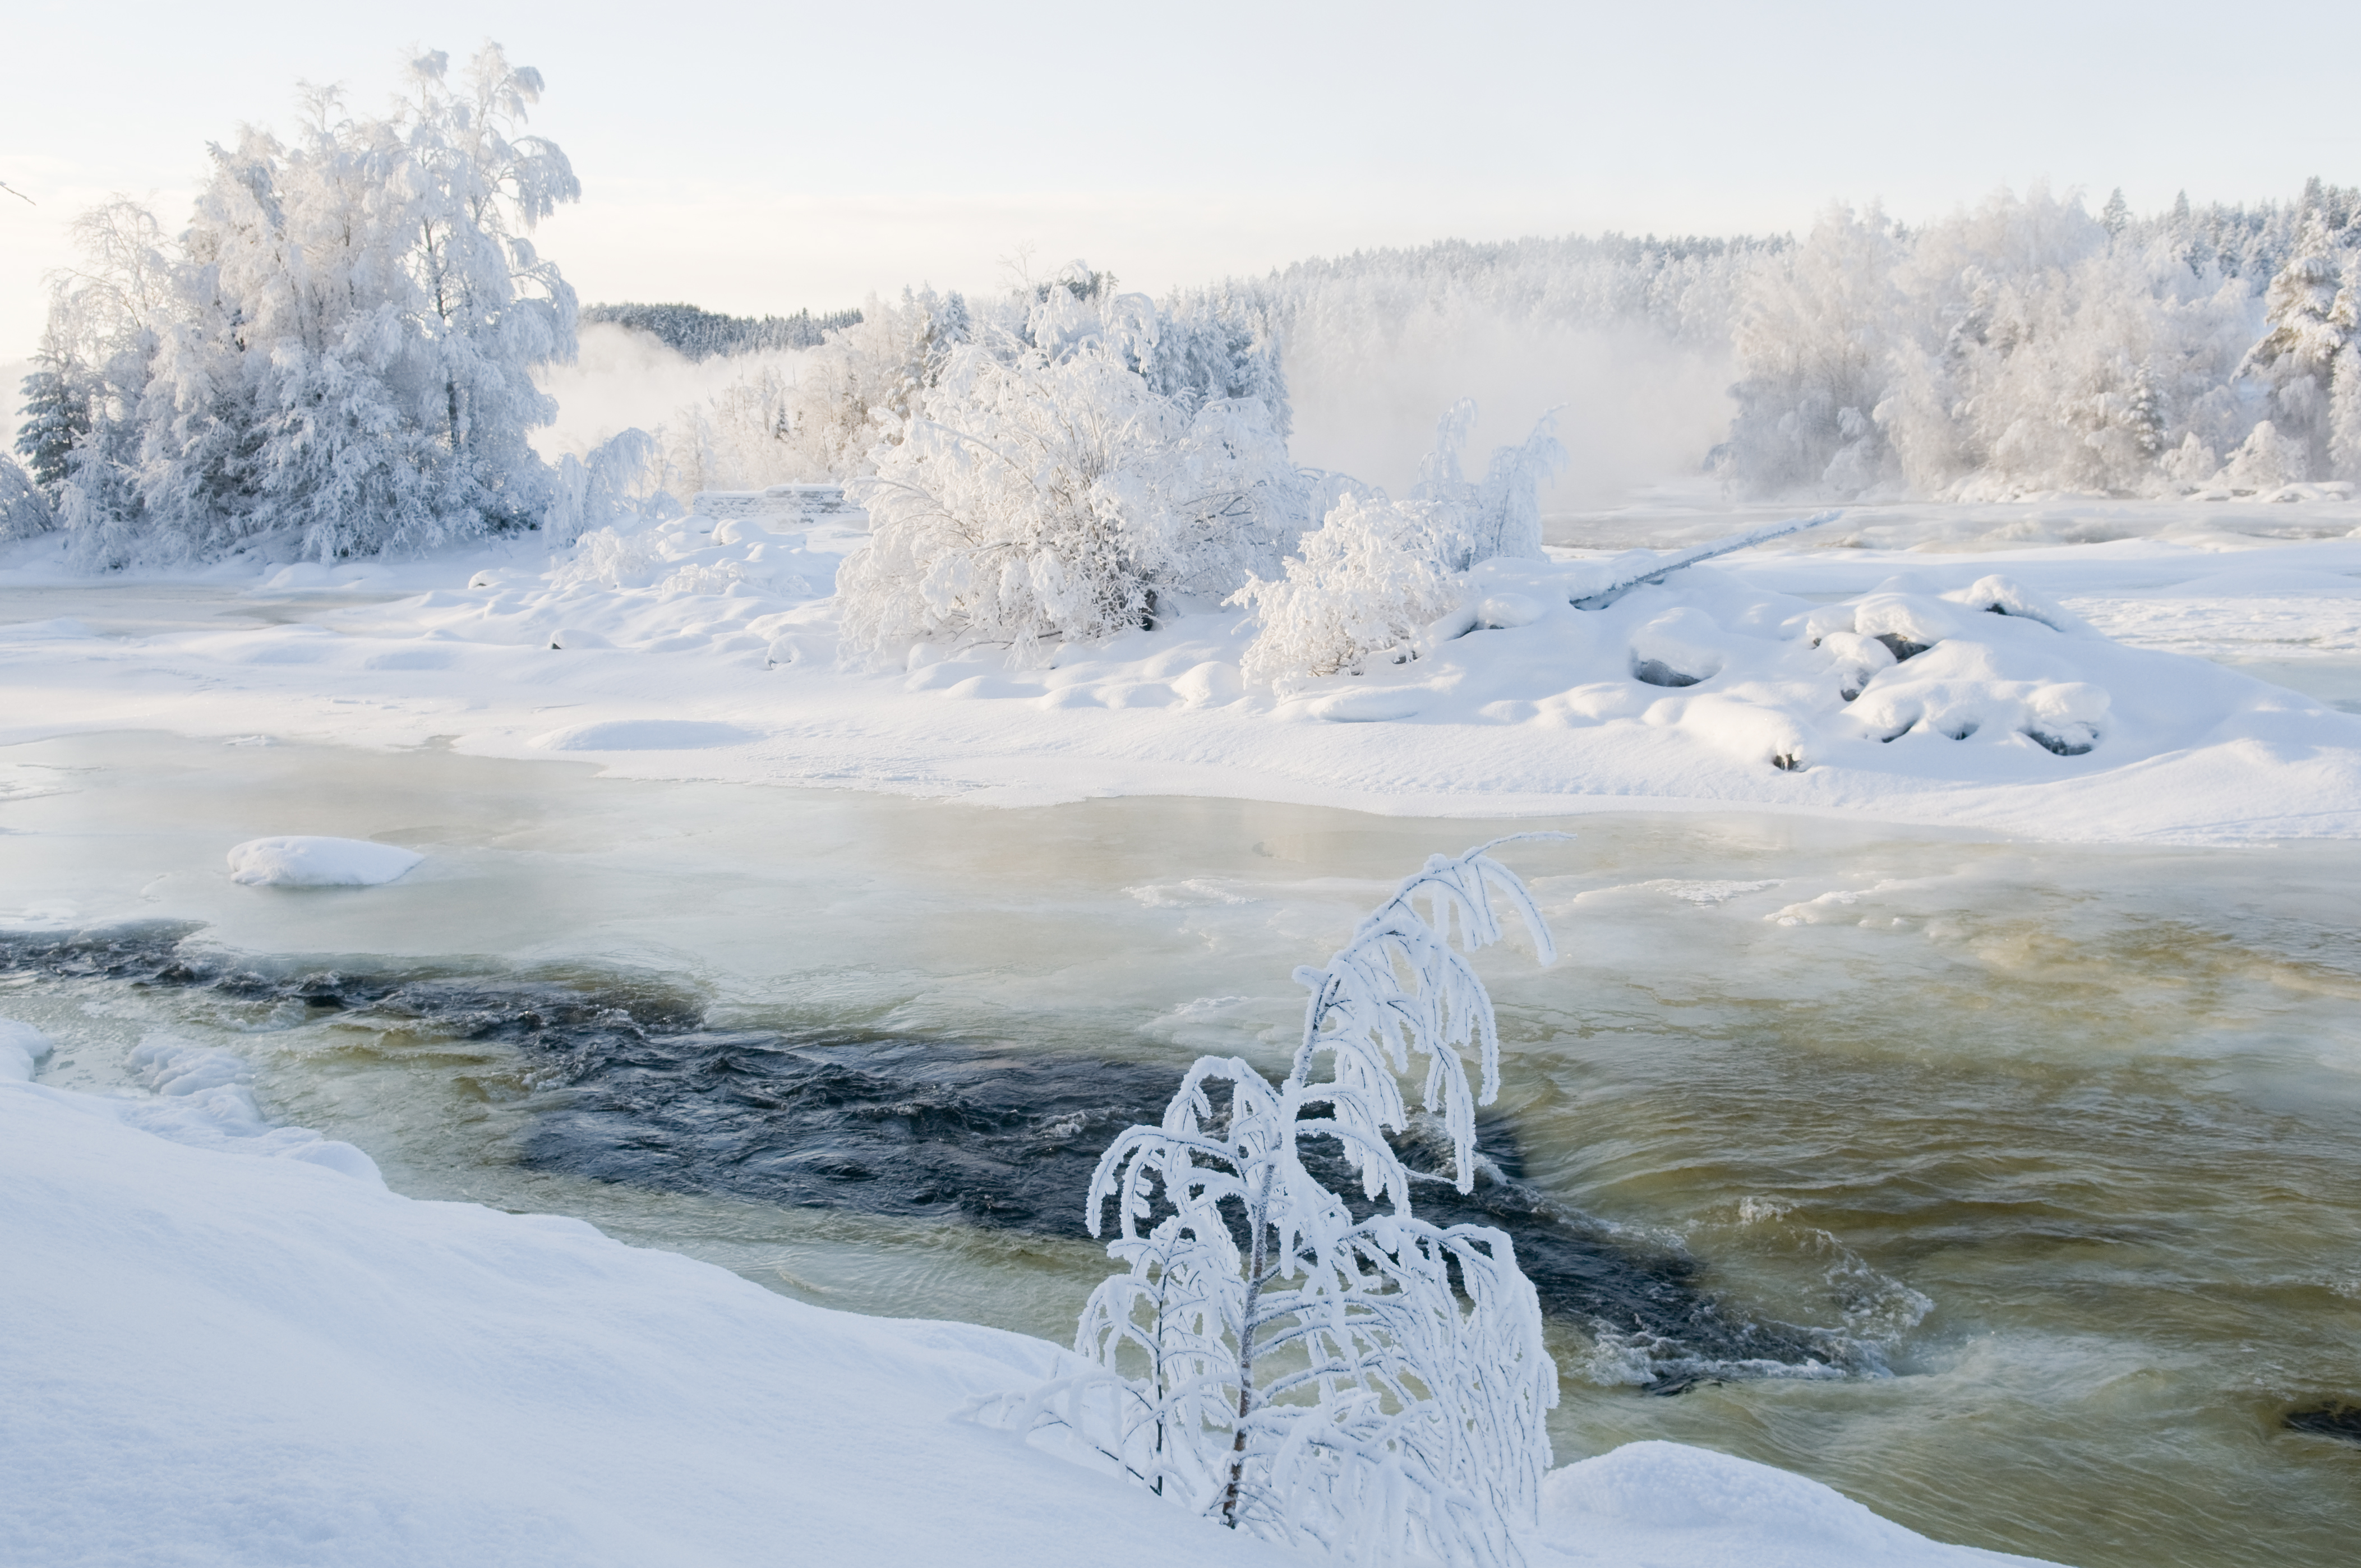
{"points": [[24, 511], [2267, 460], [1500, 515], [612, 481], [1370, 1384], [1049, 483], [1367, 579], [1375, 571], [337, 351]]}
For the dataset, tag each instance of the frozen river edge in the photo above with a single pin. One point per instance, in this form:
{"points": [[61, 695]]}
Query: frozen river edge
{"points": [[234, 1358]]}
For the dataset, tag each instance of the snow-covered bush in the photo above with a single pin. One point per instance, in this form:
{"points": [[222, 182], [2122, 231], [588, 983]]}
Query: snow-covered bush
{"points": [[1369, 1385], [1049, 481], [1368, 578], [1502, 514], [1375, 571], [24, 511], [337, 351]]}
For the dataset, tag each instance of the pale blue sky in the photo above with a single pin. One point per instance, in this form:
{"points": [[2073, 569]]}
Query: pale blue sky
{"points": [[768, 158]]}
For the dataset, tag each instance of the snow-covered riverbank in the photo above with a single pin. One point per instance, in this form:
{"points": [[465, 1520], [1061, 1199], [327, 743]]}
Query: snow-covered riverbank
{"points": [[1862, 680], [231, 1345]]}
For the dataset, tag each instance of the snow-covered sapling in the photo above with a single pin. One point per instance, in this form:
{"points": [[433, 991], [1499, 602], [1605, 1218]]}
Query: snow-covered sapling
{"points": [[1374, 1385]]}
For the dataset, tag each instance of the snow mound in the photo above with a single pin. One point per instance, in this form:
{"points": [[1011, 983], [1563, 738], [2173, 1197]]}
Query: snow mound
{"points": [[1671, 1506], [732, 585], [303, 861], [204, 1098], [22, 1050], [641, 735]]}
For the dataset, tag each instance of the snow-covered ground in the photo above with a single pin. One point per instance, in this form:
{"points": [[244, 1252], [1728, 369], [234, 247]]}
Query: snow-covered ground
{"points": [[700, 650], [231, 1345]]}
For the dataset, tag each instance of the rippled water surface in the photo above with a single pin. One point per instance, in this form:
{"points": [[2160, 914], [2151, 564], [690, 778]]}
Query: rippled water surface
{"points": [[2009, 1188]]}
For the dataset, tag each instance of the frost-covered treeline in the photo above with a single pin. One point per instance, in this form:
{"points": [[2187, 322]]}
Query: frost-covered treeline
{"points": [[1684, 288], [1056, 463], [2027, 345], [336, 348], [704, 334]]}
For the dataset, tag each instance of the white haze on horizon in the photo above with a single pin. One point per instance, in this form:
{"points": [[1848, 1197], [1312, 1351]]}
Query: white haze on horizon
{"points": [[1633, 410], [774, 161]]}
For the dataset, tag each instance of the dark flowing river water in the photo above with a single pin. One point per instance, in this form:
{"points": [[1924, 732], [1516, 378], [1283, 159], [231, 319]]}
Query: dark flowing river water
{"points": [[2009, 1188]]}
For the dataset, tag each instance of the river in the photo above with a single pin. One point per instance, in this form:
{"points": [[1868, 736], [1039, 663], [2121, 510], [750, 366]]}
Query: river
{"points": [[2031, 1165]]}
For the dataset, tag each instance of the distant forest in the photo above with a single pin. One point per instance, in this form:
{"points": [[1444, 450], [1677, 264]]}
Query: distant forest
{"points": [[707, 334]]}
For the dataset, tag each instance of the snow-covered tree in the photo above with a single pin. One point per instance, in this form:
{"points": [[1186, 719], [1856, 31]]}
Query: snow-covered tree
{"points": [[2116, 215], [1043, 487], [1365, 1383], [1814, 330], [338, 350], [1500, 514], [2297, 358], [60, 399], [2344, 383]]}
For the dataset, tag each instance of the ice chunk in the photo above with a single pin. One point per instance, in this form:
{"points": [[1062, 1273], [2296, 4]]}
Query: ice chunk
{"points": [[22, 1049], [303, 861]]}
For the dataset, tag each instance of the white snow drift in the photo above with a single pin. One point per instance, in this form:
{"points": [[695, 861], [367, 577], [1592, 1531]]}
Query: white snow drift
{"points": [[307, 860]]}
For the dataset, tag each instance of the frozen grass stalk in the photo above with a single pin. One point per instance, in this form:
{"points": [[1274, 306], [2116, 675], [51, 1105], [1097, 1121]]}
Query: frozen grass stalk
{"points": [[1376, 1386]]}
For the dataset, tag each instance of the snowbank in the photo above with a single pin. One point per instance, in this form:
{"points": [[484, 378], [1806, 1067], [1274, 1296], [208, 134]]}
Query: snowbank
{"points": [[251, 1361], [2003, 690], [303, 861], [1666, 1503]]}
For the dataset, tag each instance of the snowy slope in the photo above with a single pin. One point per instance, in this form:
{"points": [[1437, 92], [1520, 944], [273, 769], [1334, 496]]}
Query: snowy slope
{"points": [[218, 1356]]}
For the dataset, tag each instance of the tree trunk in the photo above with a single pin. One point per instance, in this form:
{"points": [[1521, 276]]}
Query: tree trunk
{"points": [[1259, 1220]]}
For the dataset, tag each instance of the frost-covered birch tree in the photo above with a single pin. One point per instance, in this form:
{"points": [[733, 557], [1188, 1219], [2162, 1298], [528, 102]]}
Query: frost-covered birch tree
{"points": [[1367, 1384], [336, 351]]}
